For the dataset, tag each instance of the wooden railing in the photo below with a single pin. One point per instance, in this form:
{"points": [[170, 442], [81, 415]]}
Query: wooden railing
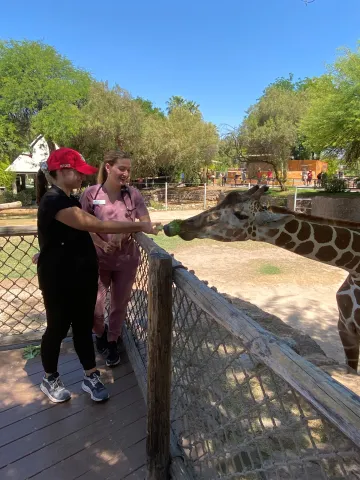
{"points": [[184, 353]]}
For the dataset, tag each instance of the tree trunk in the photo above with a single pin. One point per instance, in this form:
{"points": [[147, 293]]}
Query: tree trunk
{"points": [[51, 145], [280, 178]]}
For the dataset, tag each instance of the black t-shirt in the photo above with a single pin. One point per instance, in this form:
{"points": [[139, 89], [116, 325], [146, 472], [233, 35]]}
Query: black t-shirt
{"points": [[64, 251]]}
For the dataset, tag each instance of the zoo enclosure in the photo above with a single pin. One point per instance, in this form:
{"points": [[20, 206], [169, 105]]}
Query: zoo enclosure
{"points": [[226, 399]]}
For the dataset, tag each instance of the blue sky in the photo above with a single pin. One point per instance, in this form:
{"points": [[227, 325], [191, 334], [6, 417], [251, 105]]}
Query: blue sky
{"points": [[221, 54]]}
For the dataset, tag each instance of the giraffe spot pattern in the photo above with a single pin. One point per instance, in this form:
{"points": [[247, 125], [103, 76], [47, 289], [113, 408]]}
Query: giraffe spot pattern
{"points": [[292, 226], [322, 233], [290, 245], [353, 262], [272, 232], [283, 239], [344, 259], [304, 248], [304, 232], [346, 305], [357, 295], [356, 242], [345, 286], [326, 253], [342, 238], [357, 316]]}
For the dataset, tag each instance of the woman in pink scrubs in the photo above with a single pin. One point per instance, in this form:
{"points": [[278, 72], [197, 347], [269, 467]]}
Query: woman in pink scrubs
{"points": [[118, 255]]}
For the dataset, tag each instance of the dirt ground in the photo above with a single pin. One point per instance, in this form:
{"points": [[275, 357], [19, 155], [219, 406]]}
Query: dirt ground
{"points": [[299, 291]]}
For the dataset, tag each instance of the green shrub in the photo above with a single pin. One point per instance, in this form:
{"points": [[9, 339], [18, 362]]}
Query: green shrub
{"points": [[25, 197], [335, 185], [6, 178]]}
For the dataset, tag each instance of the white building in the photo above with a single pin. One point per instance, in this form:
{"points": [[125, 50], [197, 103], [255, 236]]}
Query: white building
{"points": [[28, 163]]}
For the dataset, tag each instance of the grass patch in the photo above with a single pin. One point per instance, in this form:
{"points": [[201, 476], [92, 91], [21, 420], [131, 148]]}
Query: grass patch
{"points": [[170, 244], [31, 351], [310, 192], [268, 269], [15, 257]]}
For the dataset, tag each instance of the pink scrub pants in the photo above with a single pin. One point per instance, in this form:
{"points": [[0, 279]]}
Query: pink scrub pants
{"points": [[120, 283]]}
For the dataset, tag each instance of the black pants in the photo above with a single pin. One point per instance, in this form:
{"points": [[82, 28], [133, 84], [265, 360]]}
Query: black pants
{"points": [[69, 304]]}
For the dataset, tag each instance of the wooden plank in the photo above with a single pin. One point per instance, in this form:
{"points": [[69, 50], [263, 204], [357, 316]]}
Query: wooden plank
{"points": [[18, 230], [135, 360], [338, 404], [159, 365], [7, 206], [91, 447], [33, 400], [27, 437]]}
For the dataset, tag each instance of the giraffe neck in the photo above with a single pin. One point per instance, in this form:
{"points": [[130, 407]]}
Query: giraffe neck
{"points": [[332, 245]]}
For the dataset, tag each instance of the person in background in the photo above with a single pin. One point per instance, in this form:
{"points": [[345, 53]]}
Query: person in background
{"points": [[224, 179], [304, 177], [259, 176], [243, 175], [269, 176], [67, 269], [113, 199], [309, 177]]}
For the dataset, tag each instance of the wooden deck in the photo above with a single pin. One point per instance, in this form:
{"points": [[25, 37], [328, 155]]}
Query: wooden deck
{"points": [[77, 439]]}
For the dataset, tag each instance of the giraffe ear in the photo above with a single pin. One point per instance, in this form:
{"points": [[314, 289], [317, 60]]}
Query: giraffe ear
{"points": [[272, 220]]}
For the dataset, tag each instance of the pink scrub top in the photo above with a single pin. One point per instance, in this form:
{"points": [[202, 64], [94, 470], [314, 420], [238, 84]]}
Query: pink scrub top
{"points": [[126, 208]]}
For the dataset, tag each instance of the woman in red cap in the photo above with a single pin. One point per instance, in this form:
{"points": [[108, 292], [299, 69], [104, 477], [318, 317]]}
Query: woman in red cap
{"points": [[68, 269]]}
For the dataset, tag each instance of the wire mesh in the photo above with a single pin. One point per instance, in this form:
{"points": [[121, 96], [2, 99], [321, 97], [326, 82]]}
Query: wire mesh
{"points": [[21, 305], [233, 417]]}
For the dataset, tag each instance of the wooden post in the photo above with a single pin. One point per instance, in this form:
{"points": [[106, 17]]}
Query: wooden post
{"points": [[159, 366]]}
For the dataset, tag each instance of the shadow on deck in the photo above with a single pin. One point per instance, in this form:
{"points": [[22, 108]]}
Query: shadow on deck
{"points": [[78, 439]]}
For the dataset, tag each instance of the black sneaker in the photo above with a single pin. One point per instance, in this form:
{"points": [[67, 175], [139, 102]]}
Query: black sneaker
{"points": [[102, 343], [94, 386], [113, 357], [54, 388]]}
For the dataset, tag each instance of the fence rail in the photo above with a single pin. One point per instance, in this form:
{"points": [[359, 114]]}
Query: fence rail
{"points": [[243, 404]]}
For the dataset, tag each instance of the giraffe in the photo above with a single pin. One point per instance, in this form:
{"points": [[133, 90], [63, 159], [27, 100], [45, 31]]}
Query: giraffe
{"points": [[241, 216]]}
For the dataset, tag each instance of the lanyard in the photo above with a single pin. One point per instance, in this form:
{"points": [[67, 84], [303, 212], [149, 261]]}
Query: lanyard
{"points": [[124, 190]]}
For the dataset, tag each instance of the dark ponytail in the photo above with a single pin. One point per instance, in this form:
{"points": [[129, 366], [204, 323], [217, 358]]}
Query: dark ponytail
{"points": [[42, 184]]}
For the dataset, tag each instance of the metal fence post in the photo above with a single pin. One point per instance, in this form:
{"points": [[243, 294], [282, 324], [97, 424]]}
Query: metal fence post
{"points": [[295, 198], [166, 195], [205, 196]]}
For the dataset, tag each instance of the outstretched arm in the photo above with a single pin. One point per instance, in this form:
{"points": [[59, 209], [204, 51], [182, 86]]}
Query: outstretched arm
{"points": [[76, 218]]}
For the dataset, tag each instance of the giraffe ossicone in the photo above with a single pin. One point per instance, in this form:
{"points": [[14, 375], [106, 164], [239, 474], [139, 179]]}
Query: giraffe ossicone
{"points": [[241, 216]]}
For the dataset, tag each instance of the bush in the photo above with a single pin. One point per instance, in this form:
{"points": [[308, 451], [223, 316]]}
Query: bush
{"points": [[6, 178], [335, 185], [25, 197]]}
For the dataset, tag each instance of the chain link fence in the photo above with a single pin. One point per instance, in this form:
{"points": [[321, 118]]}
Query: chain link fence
{"points": [[22, 310], [233, 415]]}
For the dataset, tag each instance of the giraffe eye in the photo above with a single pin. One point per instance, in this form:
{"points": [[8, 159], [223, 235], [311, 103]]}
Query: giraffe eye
{"points": [[240, 216]]}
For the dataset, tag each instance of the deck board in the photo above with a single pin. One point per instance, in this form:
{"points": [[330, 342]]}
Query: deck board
{"points": [[77, 439]]}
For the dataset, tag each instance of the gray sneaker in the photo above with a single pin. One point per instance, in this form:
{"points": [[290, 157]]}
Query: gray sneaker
{"points": [[54, 388], [94, 386]]}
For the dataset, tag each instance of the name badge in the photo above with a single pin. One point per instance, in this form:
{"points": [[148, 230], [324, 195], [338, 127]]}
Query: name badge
{"points": [[99, 202]]}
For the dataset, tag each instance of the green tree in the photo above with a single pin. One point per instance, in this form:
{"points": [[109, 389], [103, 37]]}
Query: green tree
{"points": [[177, 101], [148, 107], [332, 120], [40, 91], [110, 119], [269, 133]]}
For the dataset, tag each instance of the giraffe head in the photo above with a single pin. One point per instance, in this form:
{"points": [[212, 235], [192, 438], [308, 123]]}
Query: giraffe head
{"points": [[240, 216]]}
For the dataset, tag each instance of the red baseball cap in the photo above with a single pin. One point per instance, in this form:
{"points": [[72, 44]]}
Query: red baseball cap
{"points": [[69, 158]]}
